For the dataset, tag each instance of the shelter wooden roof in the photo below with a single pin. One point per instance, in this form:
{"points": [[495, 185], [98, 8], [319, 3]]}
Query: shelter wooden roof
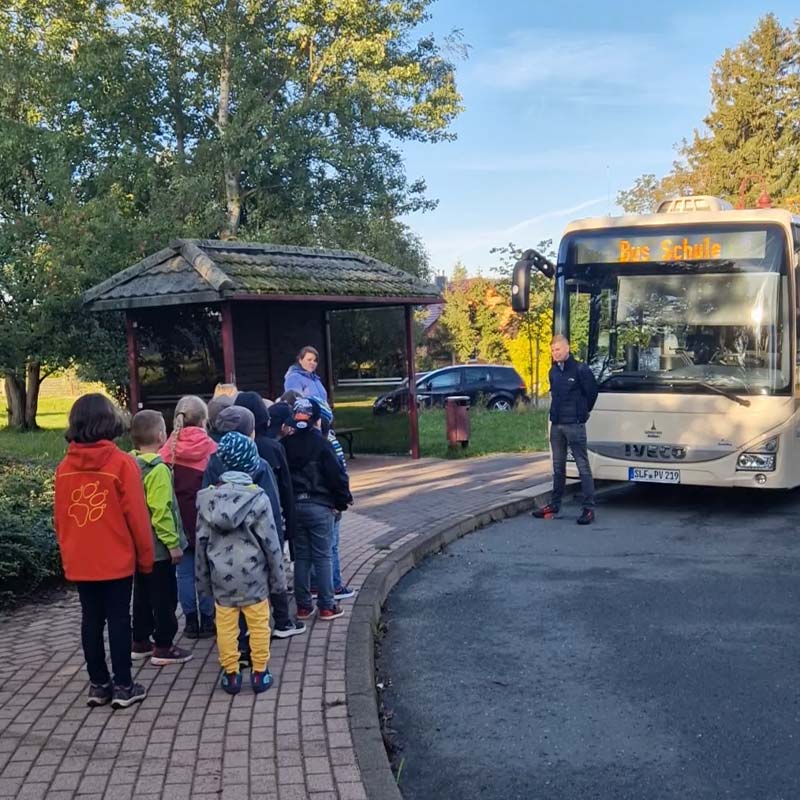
{"points": [[208, 270]]}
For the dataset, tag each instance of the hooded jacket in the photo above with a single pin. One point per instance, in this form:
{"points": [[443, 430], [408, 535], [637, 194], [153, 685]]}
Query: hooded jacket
{"points": [[271, 451], [264, 478], [194, 449], [305, 383], [100, 514], [238, 559]]}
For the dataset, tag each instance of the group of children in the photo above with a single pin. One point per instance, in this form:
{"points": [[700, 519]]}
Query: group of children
{"points": [[199, 518]]}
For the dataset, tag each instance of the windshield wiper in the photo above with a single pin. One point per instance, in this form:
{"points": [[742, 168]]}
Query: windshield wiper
{"points": [[657, 380], [709, 386]]}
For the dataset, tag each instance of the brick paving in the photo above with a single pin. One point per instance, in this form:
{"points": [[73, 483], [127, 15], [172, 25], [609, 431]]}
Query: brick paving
{"points": [[189, 739]]}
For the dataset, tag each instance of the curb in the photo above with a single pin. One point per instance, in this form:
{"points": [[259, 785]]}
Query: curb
{"points": [[376, 774]]}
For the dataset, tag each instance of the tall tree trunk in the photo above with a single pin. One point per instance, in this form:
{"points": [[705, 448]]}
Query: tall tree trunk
{"points": [[233, 190], [15, 397], [176, 91], [33, 384]]}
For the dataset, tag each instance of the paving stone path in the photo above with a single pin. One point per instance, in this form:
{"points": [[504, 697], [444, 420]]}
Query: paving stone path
{"points": [[189, 739]]}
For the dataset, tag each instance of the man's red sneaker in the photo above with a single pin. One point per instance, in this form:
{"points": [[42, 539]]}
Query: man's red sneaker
{"points": [[545, 512]]}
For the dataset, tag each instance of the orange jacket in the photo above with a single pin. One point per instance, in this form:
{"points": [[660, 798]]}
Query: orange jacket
{"points": [[101, 518]]}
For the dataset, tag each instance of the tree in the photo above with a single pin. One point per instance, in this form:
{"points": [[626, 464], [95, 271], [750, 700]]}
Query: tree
{"points": [[529, 333], [126, 123], [751, 129]]}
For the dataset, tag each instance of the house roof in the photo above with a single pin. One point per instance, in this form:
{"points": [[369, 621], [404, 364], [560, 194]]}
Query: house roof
{"points": [[431, 316], [208, 270]]}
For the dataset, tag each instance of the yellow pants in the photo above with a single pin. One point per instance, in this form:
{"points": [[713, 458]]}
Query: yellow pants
{"points": [[257, 617]]}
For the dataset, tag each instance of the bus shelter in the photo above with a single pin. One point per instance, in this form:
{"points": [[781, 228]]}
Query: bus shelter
{"points": [[201, 312]]}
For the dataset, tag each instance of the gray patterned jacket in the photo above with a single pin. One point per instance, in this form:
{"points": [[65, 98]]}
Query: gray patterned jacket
{"points": [[238, 559]]}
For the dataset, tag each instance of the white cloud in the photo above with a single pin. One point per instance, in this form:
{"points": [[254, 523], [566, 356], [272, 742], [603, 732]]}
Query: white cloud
{"points": [[472, 245], [553, 57], [590, 68]]}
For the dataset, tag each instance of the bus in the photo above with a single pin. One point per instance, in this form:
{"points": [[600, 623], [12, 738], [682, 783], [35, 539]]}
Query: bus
{"points": [[688, 318]]}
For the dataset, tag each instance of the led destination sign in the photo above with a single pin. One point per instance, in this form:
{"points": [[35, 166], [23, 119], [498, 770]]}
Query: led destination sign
{"points": [[669, 247]]}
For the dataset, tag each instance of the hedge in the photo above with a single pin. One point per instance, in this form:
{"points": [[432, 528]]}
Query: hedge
{"points": [[29, 555]]}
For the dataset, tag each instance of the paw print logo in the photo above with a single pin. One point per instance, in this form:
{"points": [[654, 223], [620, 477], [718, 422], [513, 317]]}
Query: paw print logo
{"points": [[88, 503]]}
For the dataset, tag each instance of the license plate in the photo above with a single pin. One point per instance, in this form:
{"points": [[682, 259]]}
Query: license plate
{"points": [[652, 475]]}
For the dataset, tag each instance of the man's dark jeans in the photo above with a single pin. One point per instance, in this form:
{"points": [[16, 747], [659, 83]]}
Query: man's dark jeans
{"points": [[101, 602], [574, 436], [155, 598]]}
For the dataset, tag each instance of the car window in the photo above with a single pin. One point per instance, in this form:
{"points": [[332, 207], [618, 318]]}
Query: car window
{"points": [[474, 377], [446, 380], [505, 375]]}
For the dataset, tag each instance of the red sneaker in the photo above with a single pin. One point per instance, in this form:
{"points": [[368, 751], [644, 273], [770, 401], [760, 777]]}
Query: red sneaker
{"points": [[331, 613], [545, 512], [304, 614]]}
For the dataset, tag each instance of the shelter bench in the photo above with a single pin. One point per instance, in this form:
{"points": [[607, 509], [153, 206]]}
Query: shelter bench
{"points": [[347, 435]]}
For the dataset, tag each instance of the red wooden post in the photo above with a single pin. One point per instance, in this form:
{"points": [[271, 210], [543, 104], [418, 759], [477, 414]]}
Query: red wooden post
{"points": [[412, 382], [328, 357], [133, 364], [228, 352]]}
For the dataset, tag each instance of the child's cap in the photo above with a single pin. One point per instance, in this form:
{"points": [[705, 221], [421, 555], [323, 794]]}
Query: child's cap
{"points": [[280, 414], [306, 413], [236, 418], [238, 452], [216, 405]]}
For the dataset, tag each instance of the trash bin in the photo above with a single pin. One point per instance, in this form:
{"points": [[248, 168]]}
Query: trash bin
{"points": [[457, 416]]}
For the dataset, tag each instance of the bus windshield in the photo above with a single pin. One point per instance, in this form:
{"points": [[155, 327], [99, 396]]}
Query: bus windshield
{"points": [[680, 309]]}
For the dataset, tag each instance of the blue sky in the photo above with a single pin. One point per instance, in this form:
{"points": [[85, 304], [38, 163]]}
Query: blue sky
{"points": [[566, 102]]}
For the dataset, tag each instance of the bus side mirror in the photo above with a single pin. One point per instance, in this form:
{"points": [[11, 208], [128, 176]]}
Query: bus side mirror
{"points": [[521, 286], [521, 281]]}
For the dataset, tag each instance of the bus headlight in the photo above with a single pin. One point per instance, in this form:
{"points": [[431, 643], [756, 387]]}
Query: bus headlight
{"points": [[756, 462]]}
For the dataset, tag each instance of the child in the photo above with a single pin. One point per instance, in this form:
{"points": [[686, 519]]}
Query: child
{"points": [[340, 590], [241, 420], [104, 535], [239, 560], [321, 488], [215, 406], [187, 452], [155, 596]]}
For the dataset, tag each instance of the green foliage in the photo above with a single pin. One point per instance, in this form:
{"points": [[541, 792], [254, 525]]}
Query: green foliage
{"points": [[124, 124], [28, 550], [475, 316], [751, 129]]}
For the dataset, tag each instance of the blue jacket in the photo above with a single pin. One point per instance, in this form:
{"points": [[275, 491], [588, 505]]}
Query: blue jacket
{"points": [[305, 383], [263, 478], [573, 391]]}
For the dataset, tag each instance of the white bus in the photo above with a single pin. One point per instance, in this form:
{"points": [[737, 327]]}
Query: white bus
{"points": [[689, 320]]}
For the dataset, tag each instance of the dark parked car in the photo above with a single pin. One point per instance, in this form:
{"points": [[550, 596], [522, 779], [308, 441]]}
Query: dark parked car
{"points": [[495, 386]]}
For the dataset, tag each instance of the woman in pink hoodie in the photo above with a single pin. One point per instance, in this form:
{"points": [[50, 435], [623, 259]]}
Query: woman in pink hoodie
{"points": [[187, 452]]}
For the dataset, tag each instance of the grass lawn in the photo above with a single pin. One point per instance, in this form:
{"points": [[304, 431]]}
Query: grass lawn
{"points": [[491, 431], [46, 444]]}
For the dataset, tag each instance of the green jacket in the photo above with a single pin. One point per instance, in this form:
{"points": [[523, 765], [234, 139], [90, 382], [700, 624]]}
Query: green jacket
{"points": [[159, 491]]}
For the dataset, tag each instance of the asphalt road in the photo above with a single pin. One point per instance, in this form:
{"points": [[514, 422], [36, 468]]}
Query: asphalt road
{"points": [[655, 654]]}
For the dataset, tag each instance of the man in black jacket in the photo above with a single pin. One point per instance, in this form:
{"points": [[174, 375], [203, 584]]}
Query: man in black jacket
{"points": [[320, 489], [573, 392]]}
